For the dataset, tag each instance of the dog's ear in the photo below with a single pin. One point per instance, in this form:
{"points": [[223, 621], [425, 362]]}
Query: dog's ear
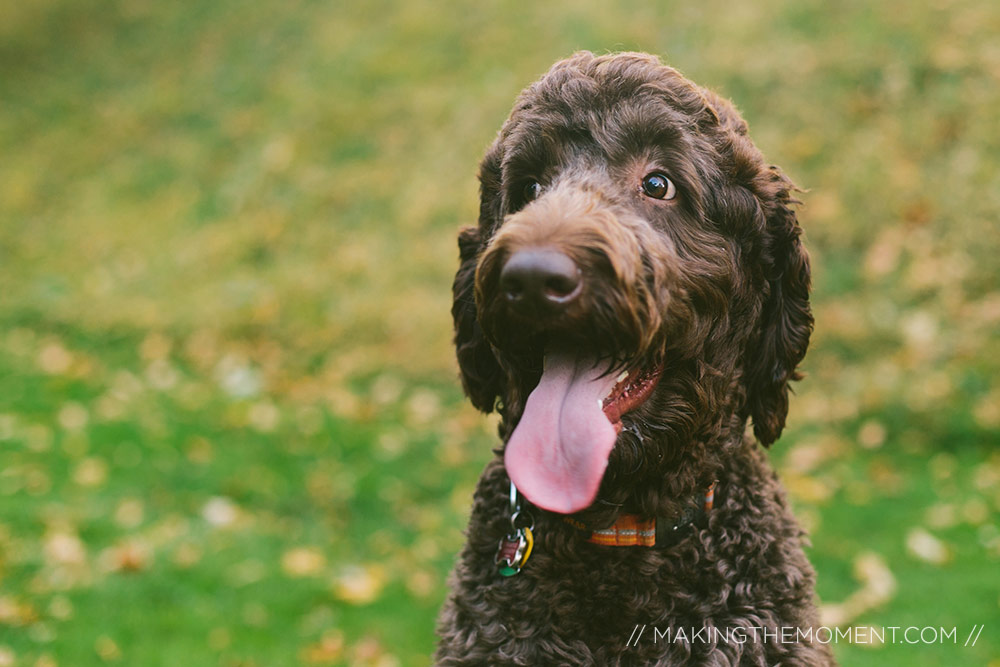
{"points": [[481, 374], [786, 320], [479, 368]]}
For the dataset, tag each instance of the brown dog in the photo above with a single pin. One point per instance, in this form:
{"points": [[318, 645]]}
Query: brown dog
{"points": [[634, 293]]}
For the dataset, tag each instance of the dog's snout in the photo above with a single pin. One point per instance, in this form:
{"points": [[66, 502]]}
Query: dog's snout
{"points": [[540, 280]]}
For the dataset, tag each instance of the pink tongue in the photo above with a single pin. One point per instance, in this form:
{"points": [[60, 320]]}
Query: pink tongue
{"points": [[559, 450]]}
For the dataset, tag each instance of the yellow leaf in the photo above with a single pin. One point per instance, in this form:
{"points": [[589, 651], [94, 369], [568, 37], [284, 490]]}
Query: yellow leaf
{"points": [[924, 546], [359, 584], [303, 562], [107, 649], [91, 472], [73, 416], [327, 650], [54, 359]]}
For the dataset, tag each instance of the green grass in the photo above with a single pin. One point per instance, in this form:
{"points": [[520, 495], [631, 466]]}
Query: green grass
{"points": [[230, 427]]}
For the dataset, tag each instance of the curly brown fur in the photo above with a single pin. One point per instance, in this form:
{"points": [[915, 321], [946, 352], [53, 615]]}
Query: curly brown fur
{"points": [[712, 287]]}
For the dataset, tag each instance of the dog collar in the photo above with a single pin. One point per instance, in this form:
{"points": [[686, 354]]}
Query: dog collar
{"points": [[633, 530], [629, 530]]}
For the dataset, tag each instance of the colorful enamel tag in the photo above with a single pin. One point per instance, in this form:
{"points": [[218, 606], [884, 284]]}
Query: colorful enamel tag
{"points": [[515, 547], [514, 551]]}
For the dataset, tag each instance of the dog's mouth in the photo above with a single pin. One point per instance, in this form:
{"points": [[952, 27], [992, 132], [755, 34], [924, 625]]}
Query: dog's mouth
{"points": [[559, 450], [631, 391]]}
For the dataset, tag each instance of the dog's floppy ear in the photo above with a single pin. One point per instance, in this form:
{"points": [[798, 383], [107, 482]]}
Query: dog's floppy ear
{"points": [[786, 320], [481, 374]]}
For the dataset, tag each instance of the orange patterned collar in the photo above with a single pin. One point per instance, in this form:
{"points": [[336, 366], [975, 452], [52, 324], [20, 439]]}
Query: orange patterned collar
{"points": [[629, 530], [632, 530]]}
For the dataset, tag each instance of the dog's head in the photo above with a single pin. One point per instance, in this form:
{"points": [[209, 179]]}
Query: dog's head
{"points": [[635, 288]]}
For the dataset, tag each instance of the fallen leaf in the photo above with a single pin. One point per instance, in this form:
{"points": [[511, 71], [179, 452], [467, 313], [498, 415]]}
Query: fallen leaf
{"points": [[45, 660], [329, 649], [975, 511], [808, 488], [390, 444], [263, 416], [54, 359], [924, 546], [423, 407], [73, 416], [129, 513], [129, 556], [878, 585], [941, 515], [359, 584], [386, 389], [421, 583], [162, 375], [187, 555], [107, 649], [237, 378], [15, 613], [60, 608], [199, 451], [64, 548], [91, 472], [872, 434], [155, 346], [303, 562], [220, 512], [368, 652], [883, 254]]}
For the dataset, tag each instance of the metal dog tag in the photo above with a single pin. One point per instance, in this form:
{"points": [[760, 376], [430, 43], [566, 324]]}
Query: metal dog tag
{"points": [[514, 550]]}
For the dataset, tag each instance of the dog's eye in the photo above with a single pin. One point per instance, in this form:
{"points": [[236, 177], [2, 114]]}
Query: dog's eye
{"points": [[658, 186], [531, 191]]}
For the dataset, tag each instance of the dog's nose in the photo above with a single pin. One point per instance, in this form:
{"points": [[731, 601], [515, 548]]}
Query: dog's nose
{"points": [[540, 280]]}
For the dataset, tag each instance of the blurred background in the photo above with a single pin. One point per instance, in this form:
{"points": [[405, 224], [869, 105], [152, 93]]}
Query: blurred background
{"points": [[231, 430]]}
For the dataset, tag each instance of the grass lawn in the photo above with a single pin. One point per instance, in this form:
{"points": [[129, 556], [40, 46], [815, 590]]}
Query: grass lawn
{"points": [[231, 431]]}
